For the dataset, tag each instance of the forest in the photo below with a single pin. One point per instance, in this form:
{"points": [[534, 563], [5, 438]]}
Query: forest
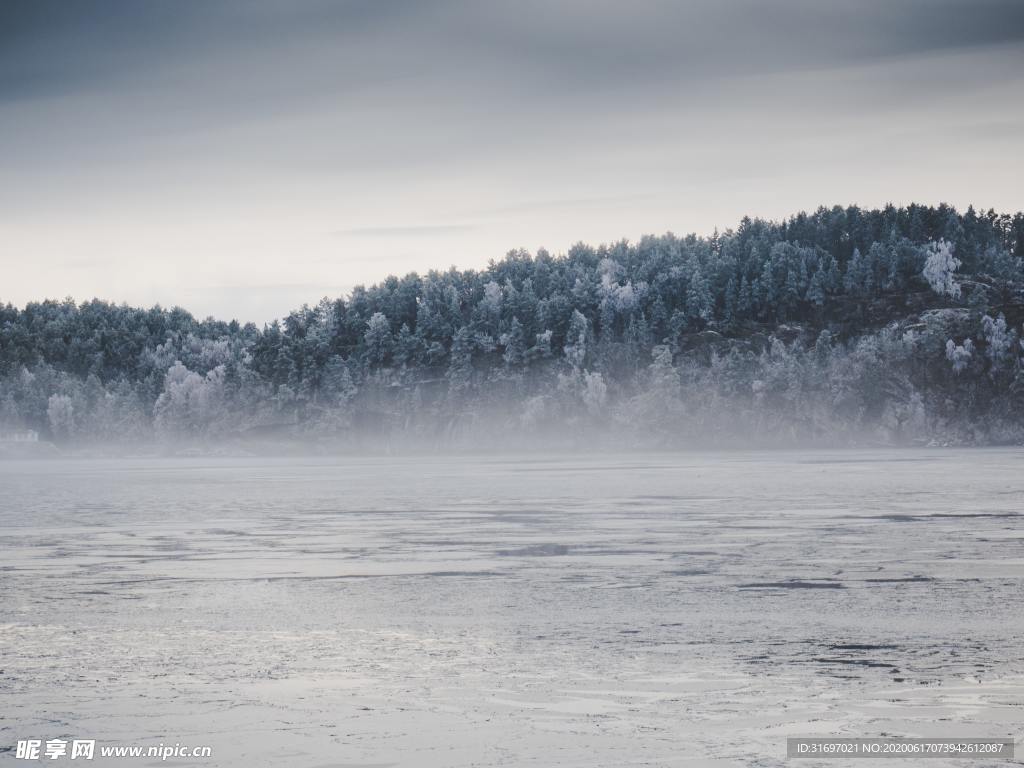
{"points": [[899, 325]]}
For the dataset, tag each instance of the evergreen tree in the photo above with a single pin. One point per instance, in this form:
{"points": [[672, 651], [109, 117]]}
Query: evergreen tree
{"points": [[378, 339]]}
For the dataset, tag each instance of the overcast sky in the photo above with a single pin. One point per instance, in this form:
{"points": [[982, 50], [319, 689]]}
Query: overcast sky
{"points": [[241, 158]]}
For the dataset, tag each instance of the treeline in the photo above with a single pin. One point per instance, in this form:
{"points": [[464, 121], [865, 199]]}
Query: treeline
{"points": [[845, 325]]}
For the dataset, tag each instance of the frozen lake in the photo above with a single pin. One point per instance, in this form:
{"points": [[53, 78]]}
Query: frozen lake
{"points": [[599, 611]]}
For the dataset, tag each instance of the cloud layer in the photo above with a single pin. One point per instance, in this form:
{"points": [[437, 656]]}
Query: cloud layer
{"points": [[179, 148]]}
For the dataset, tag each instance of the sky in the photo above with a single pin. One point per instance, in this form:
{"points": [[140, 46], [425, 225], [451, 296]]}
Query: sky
{"points": [[240, 159]]}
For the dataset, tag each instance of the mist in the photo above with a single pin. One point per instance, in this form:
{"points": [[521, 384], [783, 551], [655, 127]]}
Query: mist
{"points": [[845, 327]]}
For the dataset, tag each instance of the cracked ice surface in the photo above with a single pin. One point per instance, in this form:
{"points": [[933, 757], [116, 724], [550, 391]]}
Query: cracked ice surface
{"points": [[589, 611]]}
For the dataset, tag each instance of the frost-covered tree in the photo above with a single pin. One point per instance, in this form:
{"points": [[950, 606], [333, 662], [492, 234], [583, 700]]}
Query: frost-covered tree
{"points": [[699, 304], [1000, 341], [940, 267], [191, 405], [576, 340], [512, 341], [541, 349], [744, 299], [859, 280], [407, 346], [338, 384], [490, 306], [60, 414], [816, 289], [460, 366], [959, 354], [378, 339]]}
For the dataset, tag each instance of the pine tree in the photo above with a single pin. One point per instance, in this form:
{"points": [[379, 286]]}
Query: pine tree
{"points": [[460, 364], [816, 289], [699, 303], [576, 340], [378, 339], [512, 341]]}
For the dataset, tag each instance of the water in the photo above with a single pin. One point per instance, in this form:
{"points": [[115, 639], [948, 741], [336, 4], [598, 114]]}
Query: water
{"points": [[599, 611]]}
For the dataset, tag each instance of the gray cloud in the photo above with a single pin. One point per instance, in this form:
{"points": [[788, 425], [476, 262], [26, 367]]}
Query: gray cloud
{"points": [[50, 46], [199, 139]]}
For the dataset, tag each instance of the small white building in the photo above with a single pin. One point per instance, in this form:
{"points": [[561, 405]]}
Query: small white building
{"points": [[19, 436]]}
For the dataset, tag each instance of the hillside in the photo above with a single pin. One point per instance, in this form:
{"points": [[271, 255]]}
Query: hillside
{"points": [[898, 325]]}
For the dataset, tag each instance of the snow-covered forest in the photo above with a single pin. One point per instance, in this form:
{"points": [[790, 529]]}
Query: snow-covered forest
{"points": [[900, 325]]}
